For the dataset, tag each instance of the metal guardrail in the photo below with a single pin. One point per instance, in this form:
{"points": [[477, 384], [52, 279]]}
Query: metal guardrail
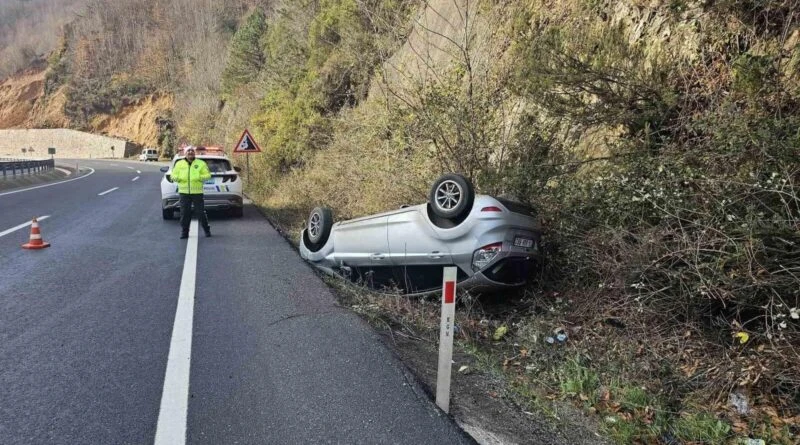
{"points": [[11, 168]]}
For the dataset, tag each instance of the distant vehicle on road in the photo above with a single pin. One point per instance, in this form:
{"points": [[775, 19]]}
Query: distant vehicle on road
{"points": [[493, 242], [222, 192], [149, 154]]}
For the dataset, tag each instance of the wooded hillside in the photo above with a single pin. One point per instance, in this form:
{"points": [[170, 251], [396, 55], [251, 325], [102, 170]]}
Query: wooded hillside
{"points": [[658, 139], [30, 29]]}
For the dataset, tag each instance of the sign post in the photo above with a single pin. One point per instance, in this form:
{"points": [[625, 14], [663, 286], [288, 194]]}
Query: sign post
{"points": [[446, 339], [247, 145]]}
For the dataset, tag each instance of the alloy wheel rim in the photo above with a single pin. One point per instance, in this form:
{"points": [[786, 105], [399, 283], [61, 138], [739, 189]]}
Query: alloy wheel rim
{"points": [[314, 225], [448, 195]]}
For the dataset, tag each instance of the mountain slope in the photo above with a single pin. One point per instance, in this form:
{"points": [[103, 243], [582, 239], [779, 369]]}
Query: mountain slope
{"points": [[658, 139]]}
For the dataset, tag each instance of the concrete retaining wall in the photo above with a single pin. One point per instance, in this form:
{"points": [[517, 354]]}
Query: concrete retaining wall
{"points": [[68, 144]]}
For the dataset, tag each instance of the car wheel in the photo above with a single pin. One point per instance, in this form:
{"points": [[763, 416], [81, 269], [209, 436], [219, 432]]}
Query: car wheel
{"points": [[451, 196], [167, 214], [318, 228]]}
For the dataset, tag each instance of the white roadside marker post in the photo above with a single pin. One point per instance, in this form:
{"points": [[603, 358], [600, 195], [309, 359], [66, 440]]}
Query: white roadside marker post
{"points": [[446, 339]]}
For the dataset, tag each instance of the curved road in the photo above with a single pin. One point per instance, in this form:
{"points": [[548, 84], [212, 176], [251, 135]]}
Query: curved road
{"points": [[86, 331]]}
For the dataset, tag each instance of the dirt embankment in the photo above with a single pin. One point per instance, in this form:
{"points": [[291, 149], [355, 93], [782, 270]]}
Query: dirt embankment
{"points": [[18, 97], [23, 104], [136, 122]]}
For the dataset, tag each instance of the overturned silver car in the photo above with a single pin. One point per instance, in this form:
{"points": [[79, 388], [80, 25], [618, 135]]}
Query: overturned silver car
{"points": [[494, 242]]}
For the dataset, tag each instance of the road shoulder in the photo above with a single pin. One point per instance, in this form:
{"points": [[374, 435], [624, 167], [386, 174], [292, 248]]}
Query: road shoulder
{"points": [[60, 173]]}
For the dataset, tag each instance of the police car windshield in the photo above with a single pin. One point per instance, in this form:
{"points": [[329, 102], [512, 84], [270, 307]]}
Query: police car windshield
{"points": [[217, 165]]}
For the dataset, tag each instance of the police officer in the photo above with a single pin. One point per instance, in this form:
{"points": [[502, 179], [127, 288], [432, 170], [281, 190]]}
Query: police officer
{"points": [[190, 173]]}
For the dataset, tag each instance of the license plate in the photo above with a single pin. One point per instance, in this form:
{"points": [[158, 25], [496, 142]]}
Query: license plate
{"points": [[523, 242]]}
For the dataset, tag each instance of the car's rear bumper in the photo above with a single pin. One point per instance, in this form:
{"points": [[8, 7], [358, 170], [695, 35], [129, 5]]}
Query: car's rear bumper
{"points": [[211, 202], [502, 275]]}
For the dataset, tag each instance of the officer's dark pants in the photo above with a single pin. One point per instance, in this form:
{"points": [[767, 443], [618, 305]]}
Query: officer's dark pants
{"points": [[187, 201]]}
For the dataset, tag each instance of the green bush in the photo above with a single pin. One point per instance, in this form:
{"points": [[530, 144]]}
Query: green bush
{"points": [[246, 56], [311, 77], [693, 209]]}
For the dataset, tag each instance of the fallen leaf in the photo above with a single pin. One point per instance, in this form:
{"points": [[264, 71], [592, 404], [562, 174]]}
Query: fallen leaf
{"points": [[500, 332], [742, 336], [740, 426]]}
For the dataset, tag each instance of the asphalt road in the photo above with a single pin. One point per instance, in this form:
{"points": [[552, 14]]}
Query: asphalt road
{"points": [[86, 331]]}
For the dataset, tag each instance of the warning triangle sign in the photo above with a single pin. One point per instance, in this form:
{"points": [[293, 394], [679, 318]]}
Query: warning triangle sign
{"points": [[247, 144]]}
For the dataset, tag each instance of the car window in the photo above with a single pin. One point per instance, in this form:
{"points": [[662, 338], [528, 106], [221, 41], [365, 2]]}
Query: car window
{"points": [[218, 165]]}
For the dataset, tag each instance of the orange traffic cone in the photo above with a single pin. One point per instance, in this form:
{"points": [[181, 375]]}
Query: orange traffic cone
{"points": [[36, 238]]}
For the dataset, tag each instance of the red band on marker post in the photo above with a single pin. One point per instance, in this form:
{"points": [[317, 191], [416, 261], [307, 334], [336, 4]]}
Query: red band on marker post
{"points": [[449, 292]]}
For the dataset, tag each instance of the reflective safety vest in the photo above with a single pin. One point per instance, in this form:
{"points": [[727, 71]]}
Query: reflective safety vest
{"points": [[190, 177]]}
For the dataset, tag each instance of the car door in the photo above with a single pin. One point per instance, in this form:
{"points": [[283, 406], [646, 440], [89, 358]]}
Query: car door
{"points": [[362, 242], [412, 242]]}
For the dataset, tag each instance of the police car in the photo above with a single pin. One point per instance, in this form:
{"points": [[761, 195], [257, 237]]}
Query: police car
{"points": [[222, 192]]}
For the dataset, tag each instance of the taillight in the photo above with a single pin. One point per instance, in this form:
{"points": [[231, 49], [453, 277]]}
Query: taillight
{"points": [[483, 256], [491, 209], [227, 178], [169, 178]]}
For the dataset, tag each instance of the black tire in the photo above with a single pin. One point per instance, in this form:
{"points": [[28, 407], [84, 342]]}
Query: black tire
{"points": [[167, 214], [237, 212], [318, 228], [451, 197]]}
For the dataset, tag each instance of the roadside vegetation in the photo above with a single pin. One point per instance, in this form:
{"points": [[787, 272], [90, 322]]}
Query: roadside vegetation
{"points": [[659, 143]]}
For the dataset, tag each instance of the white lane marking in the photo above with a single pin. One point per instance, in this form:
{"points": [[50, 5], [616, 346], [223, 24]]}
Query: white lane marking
{"points": [[14, 229], [171, 427], [66, 172], [134, 179], [138, 172], [107, 191], [131, 168], [48, 185]]}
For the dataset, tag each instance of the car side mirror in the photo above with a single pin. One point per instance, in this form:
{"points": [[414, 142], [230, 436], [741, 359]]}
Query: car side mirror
{"points": [[164, 169], [238, 169]]}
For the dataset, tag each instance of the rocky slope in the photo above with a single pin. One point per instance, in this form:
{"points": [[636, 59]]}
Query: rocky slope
{"points": [[23, 104]]}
